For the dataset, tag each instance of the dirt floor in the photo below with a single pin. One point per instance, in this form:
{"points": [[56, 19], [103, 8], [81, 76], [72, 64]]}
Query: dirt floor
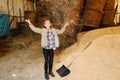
{"points": [[24, 60]]}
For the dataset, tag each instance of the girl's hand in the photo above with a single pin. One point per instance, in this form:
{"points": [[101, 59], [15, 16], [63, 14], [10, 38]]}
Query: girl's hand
{"points": [[28, 21], [66, 24], [72, 21]]}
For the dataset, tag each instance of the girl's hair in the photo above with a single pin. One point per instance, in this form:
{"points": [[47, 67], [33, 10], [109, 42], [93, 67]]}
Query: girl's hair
{"points": [[44, 19]]}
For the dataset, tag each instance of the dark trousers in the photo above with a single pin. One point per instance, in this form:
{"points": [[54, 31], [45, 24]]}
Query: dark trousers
{"points": [[48, 56]]}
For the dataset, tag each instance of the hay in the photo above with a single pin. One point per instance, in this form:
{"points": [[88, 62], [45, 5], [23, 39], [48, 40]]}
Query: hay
{"points": [[4, 45], [66, 10], [93, 13], [108, 18], [91, 18], [31, 15], [95, 4], [72, 52], [109, 11], [61, 11], [110, 4]]}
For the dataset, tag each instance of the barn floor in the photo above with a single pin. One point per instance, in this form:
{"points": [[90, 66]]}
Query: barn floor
{"points": [[99, 61], [23, 62]]}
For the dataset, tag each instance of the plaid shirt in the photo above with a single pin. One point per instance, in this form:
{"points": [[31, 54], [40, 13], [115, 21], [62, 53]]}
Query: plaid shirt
{"points": [[51, 40]]}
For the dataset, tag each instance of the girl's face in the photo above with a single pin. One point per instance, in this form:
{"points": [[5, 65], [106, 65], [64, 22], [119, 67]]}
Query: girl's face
{"points": [[47, 24]]}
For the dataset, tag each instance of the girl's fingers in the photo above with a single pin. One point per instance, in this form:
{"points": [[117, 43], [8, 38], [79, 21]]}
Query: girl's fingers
{"points": [[27, 20]]}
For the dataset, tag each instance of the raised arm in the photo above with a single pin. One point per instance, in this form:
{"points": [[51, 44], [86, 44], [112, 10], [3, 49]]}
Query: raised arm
{"points": [[63, 28], [33, 28]]}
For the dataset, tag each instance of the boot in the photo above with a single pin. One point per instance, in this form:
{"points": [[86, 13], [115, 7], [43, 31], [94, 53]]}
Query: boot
{"points": [[51, 73], [46, 76]]}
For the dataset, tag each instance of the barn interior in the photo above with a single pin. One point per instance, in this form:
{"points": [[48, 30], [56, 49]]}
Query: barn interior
{"points": [[90, 44]]}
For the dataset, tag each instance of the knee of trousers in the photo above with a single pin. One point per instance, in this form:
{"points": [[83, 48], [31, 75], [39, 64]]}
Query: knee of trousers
{"points": [[46, 62], [51, 61]]}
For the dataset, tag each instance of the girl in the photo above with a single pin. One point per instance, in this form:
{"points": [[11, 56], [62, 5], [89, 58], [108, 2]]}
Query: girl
{"points": [[49, 42]]}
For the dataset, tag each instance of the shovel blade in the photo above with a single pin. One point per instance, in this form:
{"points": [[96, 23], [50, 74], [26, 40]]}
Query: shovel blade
{"points": [[63, 71]]}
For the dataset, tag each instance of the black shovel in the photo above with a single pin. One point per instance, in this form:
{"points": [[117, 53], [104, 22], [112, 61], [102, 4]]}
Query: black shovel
{"points": [[63, 70]]}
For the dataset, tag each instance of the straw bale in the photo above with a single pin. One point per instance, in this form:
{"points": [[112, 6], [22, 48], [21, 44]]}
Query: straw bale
{"points": [[95, 4], [109, 11], [110, 4], [91, 18], [108, 18], [93, 13], [61, 11]]}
